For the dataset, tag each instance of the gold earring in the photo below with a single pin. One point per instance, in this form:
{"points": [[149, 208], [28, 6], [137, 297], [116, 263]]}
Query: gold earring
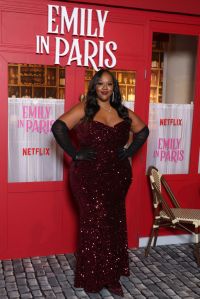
{"points": [[113, 97]]}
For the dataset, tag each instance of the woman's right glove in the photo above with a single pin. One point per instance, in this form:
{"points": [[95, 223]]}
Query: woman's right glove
{"points": [[139, 139], [61, 134]]}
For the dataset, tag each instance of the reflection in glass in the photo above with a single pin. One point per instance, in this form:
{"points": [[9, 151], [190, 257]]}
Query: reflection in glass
{"points": [[36, 81], [33, 155], [171, 102], [173, 68]]}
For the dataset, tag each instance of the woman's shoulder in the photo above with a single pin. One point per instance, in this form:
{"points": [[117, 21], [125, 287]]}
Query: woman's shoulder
{"points": [[131, 114], [79, 106], [78, 109], [136, 122]]}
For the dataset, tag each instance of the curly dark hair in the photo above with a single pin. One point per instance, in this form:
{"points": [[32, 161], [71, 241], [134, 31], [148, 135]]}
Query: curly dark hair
{"points": [[92, 106]]}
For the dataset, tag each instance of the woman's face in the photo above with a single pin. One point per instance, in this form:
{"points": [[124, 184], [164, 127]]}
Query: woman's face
{"points": [[104, 87]]}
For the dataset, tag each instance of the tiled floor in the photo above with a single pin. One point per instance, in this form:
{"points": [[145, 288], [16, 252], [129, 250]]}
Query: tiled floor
{"points": [[168, 272]]}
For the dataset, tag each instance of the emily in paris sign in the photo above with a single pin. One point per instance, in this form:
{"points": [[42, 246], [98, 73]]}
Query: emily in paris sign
{"points": [[85, 28]]}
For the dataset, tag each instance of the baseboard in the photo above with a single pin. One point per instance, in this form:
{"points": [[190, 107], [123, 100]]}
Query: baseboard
{"points": [[167, 240]]}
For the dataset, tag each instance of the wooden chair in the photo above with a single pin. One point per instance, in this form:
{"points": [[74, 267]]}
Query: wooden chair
{"points": [[170, 215]]}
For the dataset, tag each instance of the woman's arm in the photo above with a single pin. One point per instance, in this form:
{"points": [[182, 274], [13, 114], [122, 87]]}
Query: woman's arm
{"points": [[73, 116], [61, 128], [141, 133], [136, 123]]}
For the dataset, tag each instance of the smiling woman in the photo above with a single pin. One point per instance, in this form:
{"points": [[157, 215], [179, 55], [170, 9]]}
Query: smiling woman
{"points": [[104, 90], [102, 125]]}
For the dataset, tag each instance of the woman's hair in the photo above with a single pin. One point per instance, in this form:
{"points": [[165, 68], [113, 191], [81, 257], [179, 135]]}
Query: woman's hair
{"points": [[92, 106]]}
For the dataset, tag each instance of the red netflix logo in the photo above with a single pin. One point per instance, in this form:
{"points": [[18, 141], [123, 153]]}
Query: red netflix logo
{"points": [[38, 151], [170, 122]]}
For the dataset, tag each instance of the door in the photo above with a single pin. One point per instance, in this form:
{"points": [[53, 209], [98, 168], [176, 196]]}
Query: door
{"points": [[39, 216], [174, 104]]}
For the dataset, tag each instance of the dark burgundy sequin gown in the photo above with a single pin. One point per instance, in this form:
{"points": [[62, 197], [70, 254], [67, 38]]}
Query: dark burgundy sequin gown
{"points": [[100, 187]]}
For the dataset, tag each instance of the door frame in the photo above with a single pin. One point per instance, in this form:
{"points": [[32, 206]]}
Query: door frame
{"points": [[176, 181]]}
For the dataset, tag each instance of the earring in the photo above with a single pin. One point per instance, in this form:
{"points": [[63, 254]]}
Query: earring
{"points": [[113, 97]]}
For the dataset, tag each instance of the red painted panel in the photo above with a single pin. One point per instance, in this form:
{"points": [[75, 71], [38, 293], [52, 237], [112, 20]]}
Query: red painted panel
{"points": [[41, 218], [195, 144], [3, 154], [129, 38], [21, 28], [35, 224], [184, 6]]}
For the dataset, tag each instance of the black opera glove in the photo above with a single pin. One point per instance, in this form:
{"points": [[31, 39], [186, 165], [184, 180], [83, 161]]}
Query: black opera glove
{"points": [[139, 139], [61, 134], [85, 154]]}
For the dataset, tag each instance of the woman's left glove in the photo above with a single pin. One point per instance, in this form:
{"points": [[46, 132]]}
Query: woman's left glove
{"points": [[139, 139], [61, 134], [87, 154]]}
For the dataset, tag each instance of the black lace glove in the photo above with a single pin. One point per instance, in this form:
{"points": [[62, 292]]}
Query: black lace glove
{"points": [[139, 139], [61, 134]]}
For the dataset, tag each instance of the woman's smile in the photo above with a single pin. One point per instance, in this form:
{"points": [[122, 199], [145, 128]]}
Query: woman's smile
{"points": [[104, 87], [104, 92]]}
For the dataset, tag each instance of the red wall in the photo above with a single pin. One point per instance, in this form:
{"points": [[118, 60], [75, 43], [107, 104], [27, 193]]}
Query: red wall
{"points": [[184, 6], [40, 218]]}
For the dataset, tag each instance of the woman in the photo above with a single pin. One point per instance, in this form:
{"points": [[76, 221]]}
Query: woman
{"points": [[100, 176]]}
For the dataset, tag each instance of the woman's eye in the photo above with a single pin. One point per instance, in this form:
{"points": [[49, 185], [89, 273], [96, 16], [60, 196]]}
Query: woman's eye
{"points": [[108, 84]]}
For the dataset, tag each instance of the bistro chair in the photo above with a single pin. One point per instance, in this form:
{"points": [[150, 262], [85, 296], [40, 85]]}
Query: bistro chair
{"points": [[170, 215]]}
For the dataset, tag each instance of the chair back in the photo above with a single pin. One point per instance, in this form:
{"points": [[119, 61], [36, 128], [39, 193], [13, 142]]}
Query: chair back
{"points": [[161, 206], [155, 183]]}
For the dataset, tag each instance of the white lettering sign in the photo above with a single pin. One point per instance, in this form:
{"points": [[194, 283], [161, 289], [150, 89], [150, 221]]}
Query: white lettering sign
{"points": [[79, 22]]}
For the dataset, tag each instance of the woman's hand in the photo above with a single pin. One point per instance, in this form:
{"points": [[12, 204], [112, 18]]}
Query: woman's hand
{"points": [[139, 139], [85, 154], [123, 153]]}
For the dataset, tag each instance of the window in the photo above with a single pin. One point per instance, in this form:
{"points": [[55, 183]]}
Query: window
{"points": [[171, 101], [36, 99], [36, 81]]}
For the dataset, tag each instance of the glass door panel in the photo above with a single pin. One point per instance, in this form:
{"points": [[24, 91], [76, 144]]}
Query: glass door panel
{"points": [[36, 99], [171, 101]]}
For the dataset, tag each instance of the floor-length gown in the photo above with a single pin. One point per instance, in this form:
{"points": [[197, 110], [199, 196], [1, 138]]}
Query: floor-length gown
{"points": [[100, 187]]}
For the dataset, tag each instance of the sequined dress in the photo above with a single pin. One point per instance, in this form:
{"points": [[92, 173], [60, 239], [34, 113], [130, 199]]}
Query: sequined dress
{"points": [[100, 187]]}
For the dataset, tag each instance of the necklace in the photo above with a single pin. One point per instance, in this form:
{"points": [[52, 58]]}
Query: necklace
{"points": [[107, 109]]}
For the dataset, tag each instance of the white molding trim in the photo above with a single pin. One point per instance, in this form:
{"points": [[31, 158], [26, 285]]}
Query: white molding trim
{"points": [[168, 240]]}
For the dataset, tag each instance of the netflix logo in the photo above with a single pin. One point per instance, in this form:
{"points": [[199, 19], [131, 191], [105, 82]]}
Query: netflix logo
{"points": [[38, 151], [171, 122]]}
